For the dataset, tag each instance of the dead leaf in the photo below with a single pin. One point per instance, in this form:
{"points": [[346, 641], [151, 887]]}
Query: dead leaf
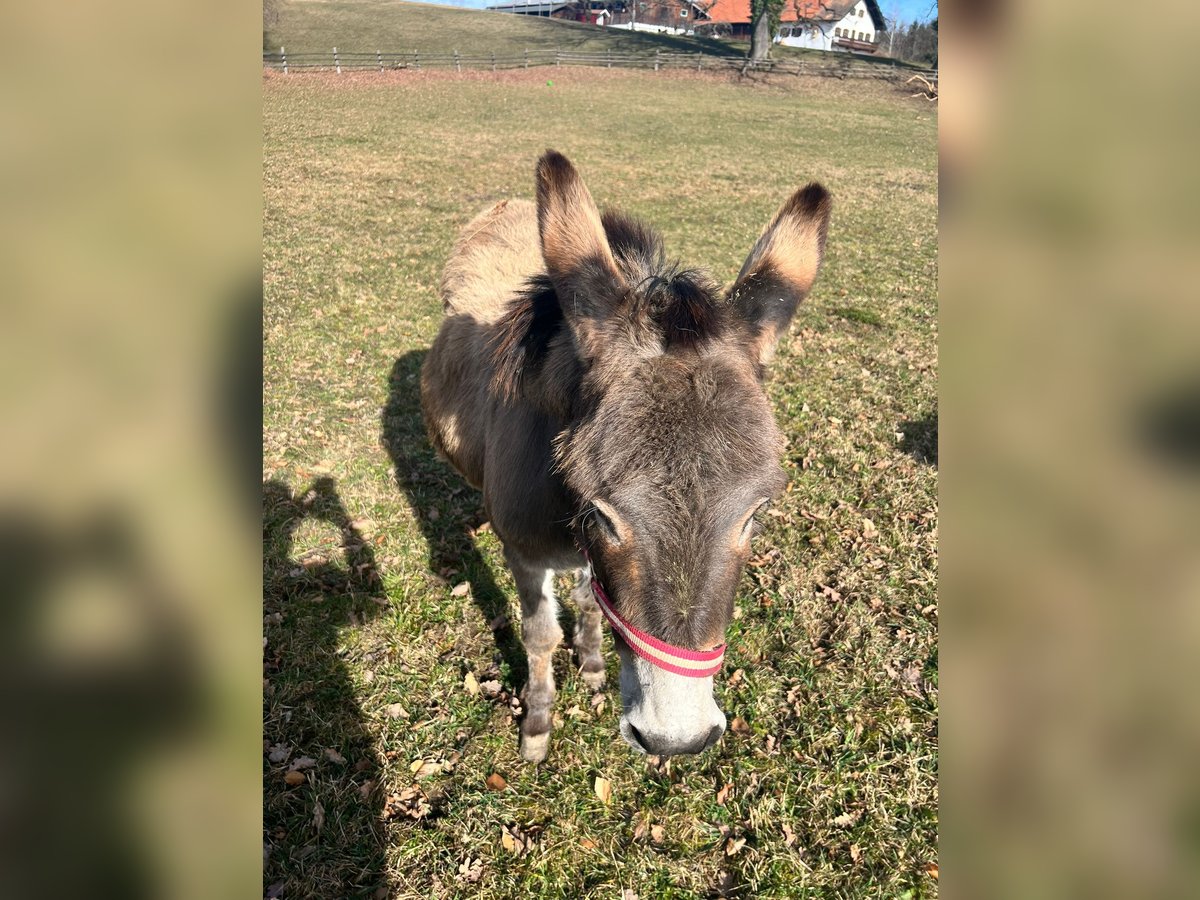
{"points": [[469, 870], [496, 782], [932, 871], [733, 846], [423, 768], [587, 844], [433, 515], [628, 894], [303, 762], [461, 589], [410, 802], [789, 836], [334, 757], [723, 794], [507, 841], [279, 753], [294, 778], [471, 684], [870, 532], [490, 688], [396, 711], [318, 815], [855, 852], [656, 833], [845, 820], [739, 726], [603, 789]]}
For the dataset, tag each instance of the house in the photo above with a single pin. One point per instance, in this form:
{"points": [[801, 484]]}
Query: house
{"points": [[661, 16], [846, 25]]}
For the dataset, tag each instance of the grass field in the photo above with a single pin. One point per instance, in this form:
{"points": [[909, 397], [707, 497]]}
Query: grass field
{"points": [[367, 26], [391, 653]]}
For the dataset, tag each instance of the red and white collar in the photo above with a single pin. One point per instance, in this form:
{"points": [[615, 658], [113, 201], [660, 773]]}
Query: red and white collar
{"points": [[679, 660]]}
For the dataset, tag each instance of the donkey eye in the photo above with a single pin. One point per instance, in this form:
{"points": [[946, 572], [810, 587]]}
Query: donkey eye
{"points": [[751, 526], [603, 524]]}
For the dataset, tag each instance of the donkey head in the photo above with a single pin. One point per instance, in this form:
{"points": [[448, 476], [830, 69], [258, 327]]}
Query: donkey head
{"points": [[668, 442]]}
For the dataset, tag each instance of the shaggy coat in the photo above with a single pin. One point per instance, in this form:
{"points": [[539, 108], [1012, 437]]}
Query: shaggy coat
{"points": [[606, 400]]}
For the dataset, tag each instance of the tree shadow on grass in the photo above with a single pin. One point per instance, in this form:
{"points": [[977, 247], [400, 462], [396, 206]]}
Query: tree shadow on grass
{"points": [[920, 439], [324, 836], [447, 510]]}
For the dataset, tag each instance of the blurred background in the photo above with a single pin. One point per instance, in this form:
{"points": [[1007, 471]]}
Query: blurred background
{"points": [[131, 619], [1071, 449]]}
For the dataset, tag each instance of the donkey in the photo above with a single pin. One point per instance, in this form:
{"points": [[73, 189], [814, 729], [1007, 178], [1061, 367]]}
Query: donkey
{"points": [[609, 405]]}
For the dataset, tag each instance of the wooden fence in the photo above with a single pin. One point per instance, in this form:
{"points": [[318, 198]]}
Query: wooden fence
{"points": [[837, 66]]}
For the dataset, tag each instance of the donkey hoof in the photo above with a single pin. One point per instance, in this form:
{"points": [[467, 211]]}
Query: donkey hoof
{"points": [[594, 680], [534, 747]]}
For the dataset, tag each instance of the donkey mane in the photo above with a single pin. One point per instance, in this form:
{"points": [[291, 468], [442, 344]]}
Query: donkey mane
{"points": [[677, 307]]}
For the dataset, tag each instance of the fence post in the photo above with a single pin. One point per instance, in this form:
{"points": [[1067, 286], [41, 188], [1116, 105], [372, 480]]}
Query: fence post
{"points": [[337, 64], [557, 60], [699, 60], [457, 64], [379, 56], [608, 56], [417, 59], [283, 53], [526, 57], [656, 52], [493, 60]]}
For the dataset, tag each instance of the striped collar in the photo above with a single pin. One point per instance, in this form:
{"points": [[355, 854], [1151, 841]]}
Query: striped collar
{"points": [[679, 660]]}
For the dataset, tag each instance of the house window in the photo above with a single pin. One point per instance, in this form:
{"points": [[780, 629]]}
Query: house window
{"points": [[683, 14], [860, 12]]}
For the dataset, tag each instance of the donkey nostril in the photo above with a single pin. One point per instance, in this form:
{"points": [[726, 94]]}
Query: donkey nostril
{"points": [[637, 736], [714, 736]]}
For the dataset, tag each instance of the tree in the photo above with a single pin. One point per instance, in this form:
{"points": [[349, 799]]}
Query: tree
{"points": [[764, 22]]}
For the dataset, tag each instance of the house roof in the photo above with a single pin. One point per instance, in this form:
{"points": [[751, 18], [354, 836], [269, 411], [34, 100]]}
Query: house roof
{"points": [[738, 11]]}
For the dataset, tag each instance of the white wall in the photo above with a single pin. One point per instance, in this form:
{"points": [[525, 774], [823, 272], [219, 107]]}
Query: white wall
{"points": [[653, 29], [818, 37], [858, 19], [822, 37]]}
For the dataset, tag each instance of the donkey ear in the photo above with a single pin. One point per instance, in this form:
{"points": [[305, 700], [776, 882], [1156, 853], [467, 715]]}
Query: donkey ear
{"points": [[572, 235], [781, 268]]}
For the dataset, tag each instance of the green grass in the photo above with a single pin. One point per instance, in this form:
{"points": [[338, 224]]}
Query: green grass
{"points": [[834, 781]]}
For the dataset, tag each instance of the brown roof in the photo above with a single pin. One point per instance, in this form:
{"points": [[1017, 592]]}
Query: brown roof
{"points": [[737, 11]]}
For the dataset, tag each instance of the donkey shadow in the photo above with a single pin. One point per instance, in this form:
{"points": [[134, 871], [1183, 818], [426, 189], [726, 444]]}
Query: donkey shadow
{"points": [[447, 510]]}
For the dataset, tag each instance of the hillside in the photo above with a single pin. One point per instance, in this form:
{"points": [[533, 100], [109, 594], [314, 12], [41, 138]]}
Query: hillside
{"points": [[393, 26], [316, 26]]}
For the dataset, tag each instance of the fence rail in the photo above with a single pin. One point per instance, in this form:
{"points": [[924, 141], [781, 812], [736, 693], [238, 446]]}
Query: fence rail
{"points": [[379, 60]]}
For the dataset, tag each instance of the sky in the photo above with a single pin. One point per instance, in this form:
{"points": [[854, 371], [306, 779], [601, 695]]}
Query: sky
{"points": [[906, 10]]}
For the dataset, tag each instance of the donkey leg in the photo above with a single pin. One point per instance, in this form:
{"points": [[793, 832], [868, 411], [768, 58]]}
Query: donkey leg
{"points": [[588, 631], [541, 634]]}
